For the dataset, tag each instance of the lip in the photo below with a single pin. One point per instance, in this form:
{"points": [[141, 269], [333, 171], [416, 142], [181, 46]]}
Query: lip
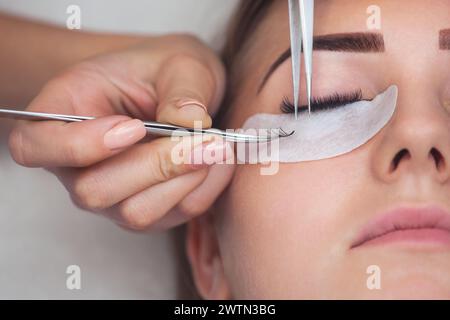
{"points": [[429, 224]]}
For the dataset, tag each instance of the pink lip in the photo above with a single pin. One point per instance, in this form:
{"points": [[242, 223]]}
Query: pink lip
{"points": [[413, 225]]}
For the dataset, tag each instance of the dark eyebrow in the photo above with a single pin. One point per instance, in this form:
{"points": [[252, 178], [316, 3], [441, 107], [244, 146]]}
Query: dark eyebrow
{"points": [[363, 42], [444, 39]]}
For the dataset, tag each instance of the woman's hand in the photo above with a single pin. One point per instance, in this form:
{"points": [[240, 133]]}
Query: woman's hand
{"points": [[172, 79]]}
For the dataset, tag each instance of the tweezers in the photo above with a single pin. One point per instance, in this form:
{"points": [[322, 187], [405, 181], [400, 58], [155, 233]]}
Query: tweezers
{"points": [[154, 128], [301, 22]]}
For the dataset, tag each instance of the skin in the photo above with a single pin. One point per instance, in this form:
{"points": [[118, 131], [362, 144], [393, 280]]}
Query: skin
{"points": [[289, 235], [37, 52], [105, 164]]}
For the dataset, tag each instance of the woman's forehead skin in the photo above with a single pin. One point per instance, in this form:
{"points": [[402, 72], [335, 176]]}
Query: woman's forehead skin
{"points": [[272, 34], [343, 16]]}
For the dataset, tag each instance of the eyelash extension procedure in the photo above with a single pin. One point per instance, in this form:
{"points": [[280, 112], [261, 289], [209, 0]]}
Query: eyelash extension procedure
{"points": [[333, 101], [324, 135]]}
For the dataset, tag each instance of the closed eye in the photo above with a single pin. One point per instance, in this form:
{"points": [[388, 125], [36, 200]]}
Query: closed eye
{"points": [[333, 101]]}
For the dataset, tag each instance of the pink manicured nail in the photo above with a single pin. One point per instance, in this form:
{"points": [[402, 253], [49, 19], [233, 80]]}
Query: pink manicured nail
{"points": [[191, 103], [192, 109], [124, 134], [192, 112]]}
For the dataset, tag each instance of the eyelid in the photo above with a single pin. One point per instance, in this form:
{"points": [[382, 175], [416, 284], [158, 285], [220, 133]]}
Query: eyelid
{"points": [[333, 101]]}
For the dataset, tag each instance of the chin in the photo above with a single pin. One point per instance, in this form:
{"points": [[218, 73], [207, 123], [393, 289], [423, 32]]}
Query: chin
{"points": [[414, 283]]}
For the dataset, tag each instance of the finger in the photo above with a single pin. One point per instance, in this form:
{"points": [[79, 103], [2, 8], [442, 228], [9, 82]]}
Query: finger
{"points": [[201, 198], [141, 211], [80, 144], [114, 180], [146, 211], [186, 88]]}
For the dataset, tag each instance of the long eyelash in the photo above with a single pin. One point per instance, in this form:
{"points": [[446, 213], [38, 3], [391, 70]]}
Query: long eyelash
{"points": [[333, 101]]}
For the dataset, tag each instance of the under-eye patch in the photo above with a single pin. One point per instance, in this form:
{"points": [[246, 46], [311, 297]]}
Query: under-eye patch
{"points": [[323, 134]]}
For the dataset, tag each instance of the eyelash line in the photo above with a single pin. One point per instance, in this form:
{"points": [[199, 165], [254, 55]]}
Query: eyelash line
{"points": [[333, 101]]}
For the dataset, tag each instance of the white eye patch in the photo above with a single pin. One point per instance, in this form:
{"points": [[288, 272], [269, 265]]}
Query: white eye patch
{"points": [[323, 134]]}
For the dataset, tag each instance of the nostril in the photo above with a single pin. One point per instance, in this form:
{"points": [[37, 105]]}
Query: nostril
{"points": [[438, 159], [404, 153]]}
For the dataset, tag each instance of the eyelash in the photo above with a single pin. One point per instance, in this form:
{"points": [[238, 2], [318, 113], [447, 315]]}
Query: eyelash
{"points": [[333, 101]]}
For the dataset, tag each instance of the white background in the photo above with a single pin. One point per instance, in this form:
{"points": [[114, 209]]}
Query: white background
{"points": [[41, 233]]}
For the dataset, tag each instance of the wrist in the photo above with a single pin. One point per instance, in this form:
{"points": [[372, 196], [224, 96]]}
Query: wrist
{"points": [[37, 52]]}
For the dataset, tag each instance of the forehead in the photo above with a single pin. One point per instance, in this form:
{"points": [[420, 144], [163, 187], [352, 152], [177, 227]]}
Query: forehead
{"points": [[410, 23], [334, 16]]}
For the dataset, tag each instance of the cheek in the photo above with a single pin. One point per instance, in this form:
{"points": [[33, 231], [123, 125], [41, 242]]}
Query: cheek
{"points": [[278, 230]]}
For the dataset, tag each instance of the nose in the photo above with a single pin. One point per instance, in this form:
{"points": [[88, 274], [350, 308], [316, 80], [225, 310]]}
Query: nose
{"points": [[417, 141]]}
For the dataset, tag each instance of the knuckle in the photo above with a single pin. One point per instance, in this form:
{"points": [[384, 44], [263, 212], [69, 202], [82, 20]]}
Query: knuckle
{"points": [[188, 61], [16, 147], [161, 164], [189, 50], [206, 83], [87, 193]]}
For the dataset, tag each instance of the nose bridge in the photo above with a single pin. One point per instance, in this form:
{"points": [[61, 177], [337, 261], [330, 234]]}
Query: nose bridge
{"points": [[421, 123]]}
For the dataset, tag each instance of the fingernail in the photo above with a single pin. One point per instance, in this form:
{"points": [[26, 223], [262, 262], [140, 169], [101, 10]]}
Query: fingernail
{"points": [[124, 134], [190, 103], [192, 109], [209, 153]]}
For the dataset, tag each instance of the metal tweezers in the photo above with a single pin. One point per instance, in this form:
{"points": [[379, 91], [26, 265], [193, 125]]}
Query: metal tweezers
{"points": [[301, 21], [154, 128]]}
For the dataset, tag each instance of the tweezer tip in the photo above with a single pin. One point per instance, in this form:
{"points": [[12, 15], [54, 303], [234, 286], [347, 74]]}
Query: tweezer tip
{"points": [[285, 134], [289, 134], [275, 134]]}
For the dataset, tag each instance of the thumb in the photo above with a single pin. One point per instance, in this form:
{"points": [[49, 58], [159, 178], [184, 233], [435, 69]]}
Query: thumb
{"points": [[188, 91]]}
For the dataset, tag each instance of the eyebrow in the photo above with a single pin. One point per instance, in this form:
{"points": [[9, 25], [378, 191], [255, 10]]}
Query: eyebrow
{"points": [[444, 39], [363, 42]]}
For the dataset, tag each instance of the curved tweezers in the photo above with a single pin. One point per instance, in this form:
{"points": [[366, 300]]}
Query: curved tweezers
{"points": [[155, 128]]}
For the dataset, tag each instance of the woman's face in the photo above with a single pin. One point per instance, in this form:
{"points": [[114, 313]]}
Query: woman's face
{"points": [[300, 233]]}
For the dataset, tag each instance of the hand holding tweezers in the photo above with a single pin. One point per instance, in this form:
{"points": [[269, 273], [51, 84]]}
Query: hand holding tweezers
{"points": [[155, 128]]}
